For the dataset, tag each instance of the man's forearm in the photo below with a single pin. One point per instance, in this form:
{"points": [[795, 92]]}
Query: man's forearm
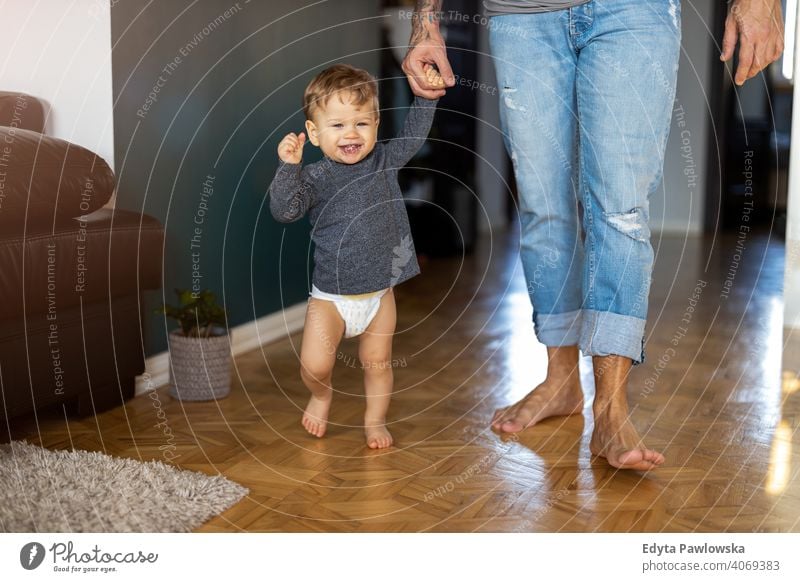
{"points": [[426, 20]]}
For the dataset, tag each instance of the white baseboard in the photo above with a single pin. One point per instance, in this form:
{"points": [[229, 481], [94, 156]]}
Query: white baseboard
{"points": [[245, 337]]}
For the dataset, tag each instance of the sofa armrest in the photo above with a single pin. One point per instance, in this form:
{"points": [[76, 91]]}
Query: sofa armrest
{"points": [[21, 111], [45, 179]]}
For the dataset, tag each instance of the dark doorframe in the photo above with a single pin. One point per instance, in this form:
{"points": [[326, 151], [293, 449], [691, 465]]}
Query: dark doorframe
{"points": [[719, 103]]}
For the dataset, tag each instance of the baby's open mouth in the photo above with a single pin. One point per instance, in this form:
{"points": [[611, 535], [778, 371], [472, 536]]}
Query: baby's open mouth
{"points": [[351, 148]]}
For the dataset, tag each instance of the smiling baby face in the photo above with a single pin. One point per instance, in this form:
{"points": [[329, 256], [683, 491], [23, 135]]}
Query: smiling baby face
{"points": [[344, 130]]}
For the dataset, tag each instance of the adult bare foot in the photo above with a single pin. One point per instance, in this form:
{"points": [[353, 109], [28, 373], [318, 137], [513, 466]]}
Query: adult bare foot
{"points": [[559, 395], [614, 437], [315, 418], [378, 436]]}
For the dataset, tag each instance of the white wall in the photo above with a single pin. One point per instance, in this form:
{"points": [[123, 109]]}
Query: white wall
{"points": [[676, 206], [60, 52], [791, 288]]}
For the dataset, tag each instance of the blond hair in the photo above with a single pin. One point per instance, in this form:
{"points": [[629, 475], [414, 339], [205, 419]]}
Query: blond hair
{"points": [[358, 82]]}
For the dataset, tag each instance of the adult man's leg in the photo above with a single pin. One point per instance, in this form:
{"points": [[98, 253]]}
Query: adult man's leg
{"points": [[627, 70], [536, 68]]}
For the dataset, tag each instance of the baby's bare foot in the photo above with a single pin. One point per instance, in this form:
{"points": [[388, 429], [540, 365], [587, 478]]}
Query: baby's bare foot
{"points": [[315, 418], [377, 435]]}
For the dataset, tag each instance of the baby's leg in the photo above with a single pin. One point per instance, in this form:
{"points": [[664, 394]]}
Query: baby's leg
{"points": [[375, 352], [323, 331]]}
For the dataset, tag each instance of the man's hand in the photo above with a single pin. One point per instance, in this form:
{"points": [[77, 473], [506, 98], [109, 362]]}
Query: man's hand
{"points": [[758, 26], [290, 150], [427, 47]]}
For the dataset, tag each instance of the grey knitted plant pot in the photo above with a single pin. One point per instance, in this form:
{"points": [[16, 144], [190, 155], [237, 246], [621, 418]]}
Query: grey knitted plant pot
{"points": [[200, 368]]}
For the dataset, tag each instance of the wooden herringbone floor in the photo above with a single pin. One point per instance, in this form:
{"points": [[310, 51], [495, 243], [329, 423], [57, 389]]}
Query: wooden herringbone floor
{"points": [[718, 408]]}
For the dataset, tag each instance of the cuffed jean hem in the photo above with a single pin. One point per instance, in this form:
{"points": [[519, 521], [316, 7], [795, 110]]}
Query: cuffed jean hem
{"points": [[558, 329], [604, 333]]}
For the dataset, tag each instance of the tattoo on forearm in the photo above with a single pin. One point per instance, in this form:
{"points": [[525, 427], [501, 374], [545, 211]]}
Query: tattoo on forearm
{"points": [[426, 18]]}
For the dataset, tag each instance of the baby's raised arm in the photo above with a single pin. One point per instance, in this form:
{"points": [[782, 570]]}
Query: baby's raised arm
{"points": [[291, 193], [416, 127]]}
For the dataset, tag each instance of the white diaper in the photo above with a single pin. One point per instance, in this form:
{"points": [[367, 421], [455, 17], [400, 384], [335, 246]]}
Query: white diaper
{"points": [[357, 311]]}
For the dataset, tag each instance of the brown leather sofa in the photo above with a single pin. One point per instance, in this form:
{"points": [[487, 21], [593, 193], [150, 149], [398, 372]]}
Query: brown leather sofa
{"points": [[71, 274]]}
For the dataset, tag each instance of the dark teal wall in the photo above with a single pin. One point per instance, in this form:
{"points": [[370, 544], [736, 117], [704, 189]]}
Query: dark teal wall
{"points": [[220, 111]]}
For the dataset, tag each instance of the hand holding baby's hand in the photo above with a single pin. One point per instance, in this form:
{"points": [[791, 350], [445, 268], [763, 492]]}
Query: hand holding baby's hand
{"points": [[434, 78], [290, 150]]}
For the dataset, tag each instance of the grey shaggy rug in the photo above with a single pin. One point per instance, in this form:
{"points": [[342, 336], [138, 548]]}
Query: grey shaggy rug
{"points": [[82, 491]]}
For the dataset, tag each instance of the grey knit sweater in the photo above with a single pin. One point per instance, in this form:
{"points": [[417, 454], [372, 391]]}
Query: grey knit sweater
{"points": [[358, 217]]}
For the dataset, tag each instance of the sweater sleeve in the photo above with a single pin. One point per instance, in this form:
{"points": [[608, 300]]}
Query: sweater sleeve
{"points": [[291, 193], [414, 133]]}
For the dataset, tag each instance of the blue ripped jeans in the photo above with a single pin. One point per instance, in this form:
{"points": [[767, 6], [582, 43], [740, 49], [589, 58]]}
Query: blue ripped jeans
{"points": [[585, 107]]}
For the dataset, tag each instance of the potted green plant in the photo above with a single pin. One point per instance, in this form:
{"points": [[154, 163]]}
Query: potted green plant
{"points": [[200, 349]]}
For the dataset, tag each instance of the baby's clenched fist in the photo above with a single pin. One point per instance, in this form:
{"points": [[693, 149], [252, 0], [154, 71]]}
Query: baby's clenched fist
{"points": [[434, 78], [290, 150]]}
